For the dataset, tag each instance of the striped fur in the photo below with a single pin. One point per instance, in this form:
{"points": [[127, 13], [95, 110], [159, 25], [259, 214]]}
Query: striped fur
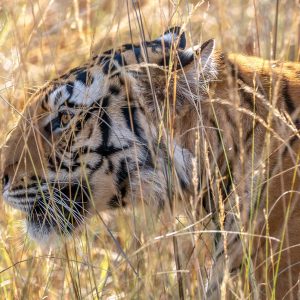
{"points": [[250, 138], [91, 139], [85, 144]]}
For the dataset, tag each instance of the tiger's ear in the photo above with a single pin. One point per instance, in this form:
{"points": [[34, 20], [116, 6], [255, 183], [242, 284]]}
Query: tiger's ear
{"points": [[195, 68], [173, 36], [206, 52], [202, 54]]}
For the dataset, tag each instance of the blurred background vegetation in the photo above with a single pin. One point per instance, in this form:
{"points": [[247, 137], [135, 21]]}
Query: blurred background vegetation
{"points": [[41, 39]]}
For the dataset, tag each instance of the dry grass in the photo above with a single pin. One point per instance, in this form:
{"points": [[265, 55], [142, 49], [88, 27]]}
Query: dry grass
{"points": [[41, 39]]}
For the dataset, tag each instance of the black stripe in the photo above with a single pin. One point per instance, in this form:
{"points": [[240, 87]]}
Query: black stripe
{"points": [[105, 122], [115, 90], [185, 59], [57, 97], [85, 77], [137, 54], [291, 142], [46, 99], [107, 151], [147, 161], [287, 98], [119, 59], [52, 164], [217, 237], [70, 88], [116, 202], [297, 123], [123, 172], [108, 65], [78, 126], [25, 195], [96, 166], [208, 202], [165, 61], [233, 69], [137, 129], [251, 132], [235, 270], [74, 166], [44, 107], [57, 164], [246, 96], [227, 185], [121, 183], [110, 168], [82, 120], [105, 62], [127, 47], [53, 124]]}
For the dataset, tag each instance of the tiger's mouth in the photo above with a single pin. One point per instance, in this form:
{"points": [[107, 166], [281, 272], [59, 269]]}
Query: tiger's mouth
{"points": [[55, 209]]}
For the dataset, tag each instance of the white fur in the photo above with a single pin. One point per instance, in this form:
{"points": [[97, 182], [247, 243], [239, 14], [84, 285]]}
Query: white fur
{"points": [[86, 95], [64, 95], [167, 38]]}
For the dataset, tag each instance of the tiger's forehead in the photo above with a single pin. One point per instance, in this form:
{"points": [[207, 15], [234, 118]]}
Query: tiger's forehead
{"points": [[80, 87], [83, 86]]}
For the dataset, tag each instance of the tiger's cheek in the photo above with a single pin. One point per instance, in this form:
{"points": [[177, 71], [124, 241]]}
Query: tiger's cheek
{"points": [[103, 189]]}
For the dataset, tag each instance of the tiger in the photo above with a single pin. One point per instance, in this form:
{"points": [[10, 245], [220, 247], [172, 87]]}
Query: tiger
{"points": [[143, 122]]}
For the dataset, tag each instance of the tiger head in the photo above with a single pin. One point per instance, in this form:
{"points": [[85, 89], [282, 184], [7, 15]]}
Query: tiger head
{"points": [[90, 140]]}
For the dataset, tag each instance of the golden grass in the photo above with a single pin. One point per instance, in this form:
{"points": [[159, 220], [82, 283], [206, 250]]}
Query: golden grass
{"points": [[41, 39]]}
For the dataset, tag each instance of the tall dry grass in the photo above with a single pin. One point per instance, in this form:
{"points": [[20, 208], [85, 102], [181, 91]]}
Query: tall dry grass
{"points": [[121, 259]]}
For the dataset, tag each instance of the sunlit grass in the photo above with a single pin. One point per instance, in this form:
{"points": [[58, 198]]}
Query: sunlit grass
{"points": [[126, 256]]}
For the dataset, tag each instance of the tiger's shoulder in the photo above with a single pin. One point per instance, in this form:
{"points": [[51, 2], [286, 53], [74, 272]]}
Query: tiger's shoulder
{"points": [[252, 64], [277, 80]]}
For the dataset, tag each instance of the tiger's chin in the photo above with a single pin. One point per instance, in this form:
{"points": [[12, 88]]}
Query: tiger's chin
{"points": [[50, 233]]}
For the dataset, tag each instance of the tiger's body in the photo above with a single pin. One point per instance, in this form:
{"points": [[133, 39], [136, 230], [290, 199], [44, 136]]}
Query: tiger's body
{"points": [[253, 143], [93, 140]]}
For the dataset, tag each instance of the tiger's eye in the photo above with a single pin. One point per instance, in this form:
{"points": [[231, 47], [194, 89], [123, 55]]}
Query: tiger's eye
{"points": [[65, 118]]}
